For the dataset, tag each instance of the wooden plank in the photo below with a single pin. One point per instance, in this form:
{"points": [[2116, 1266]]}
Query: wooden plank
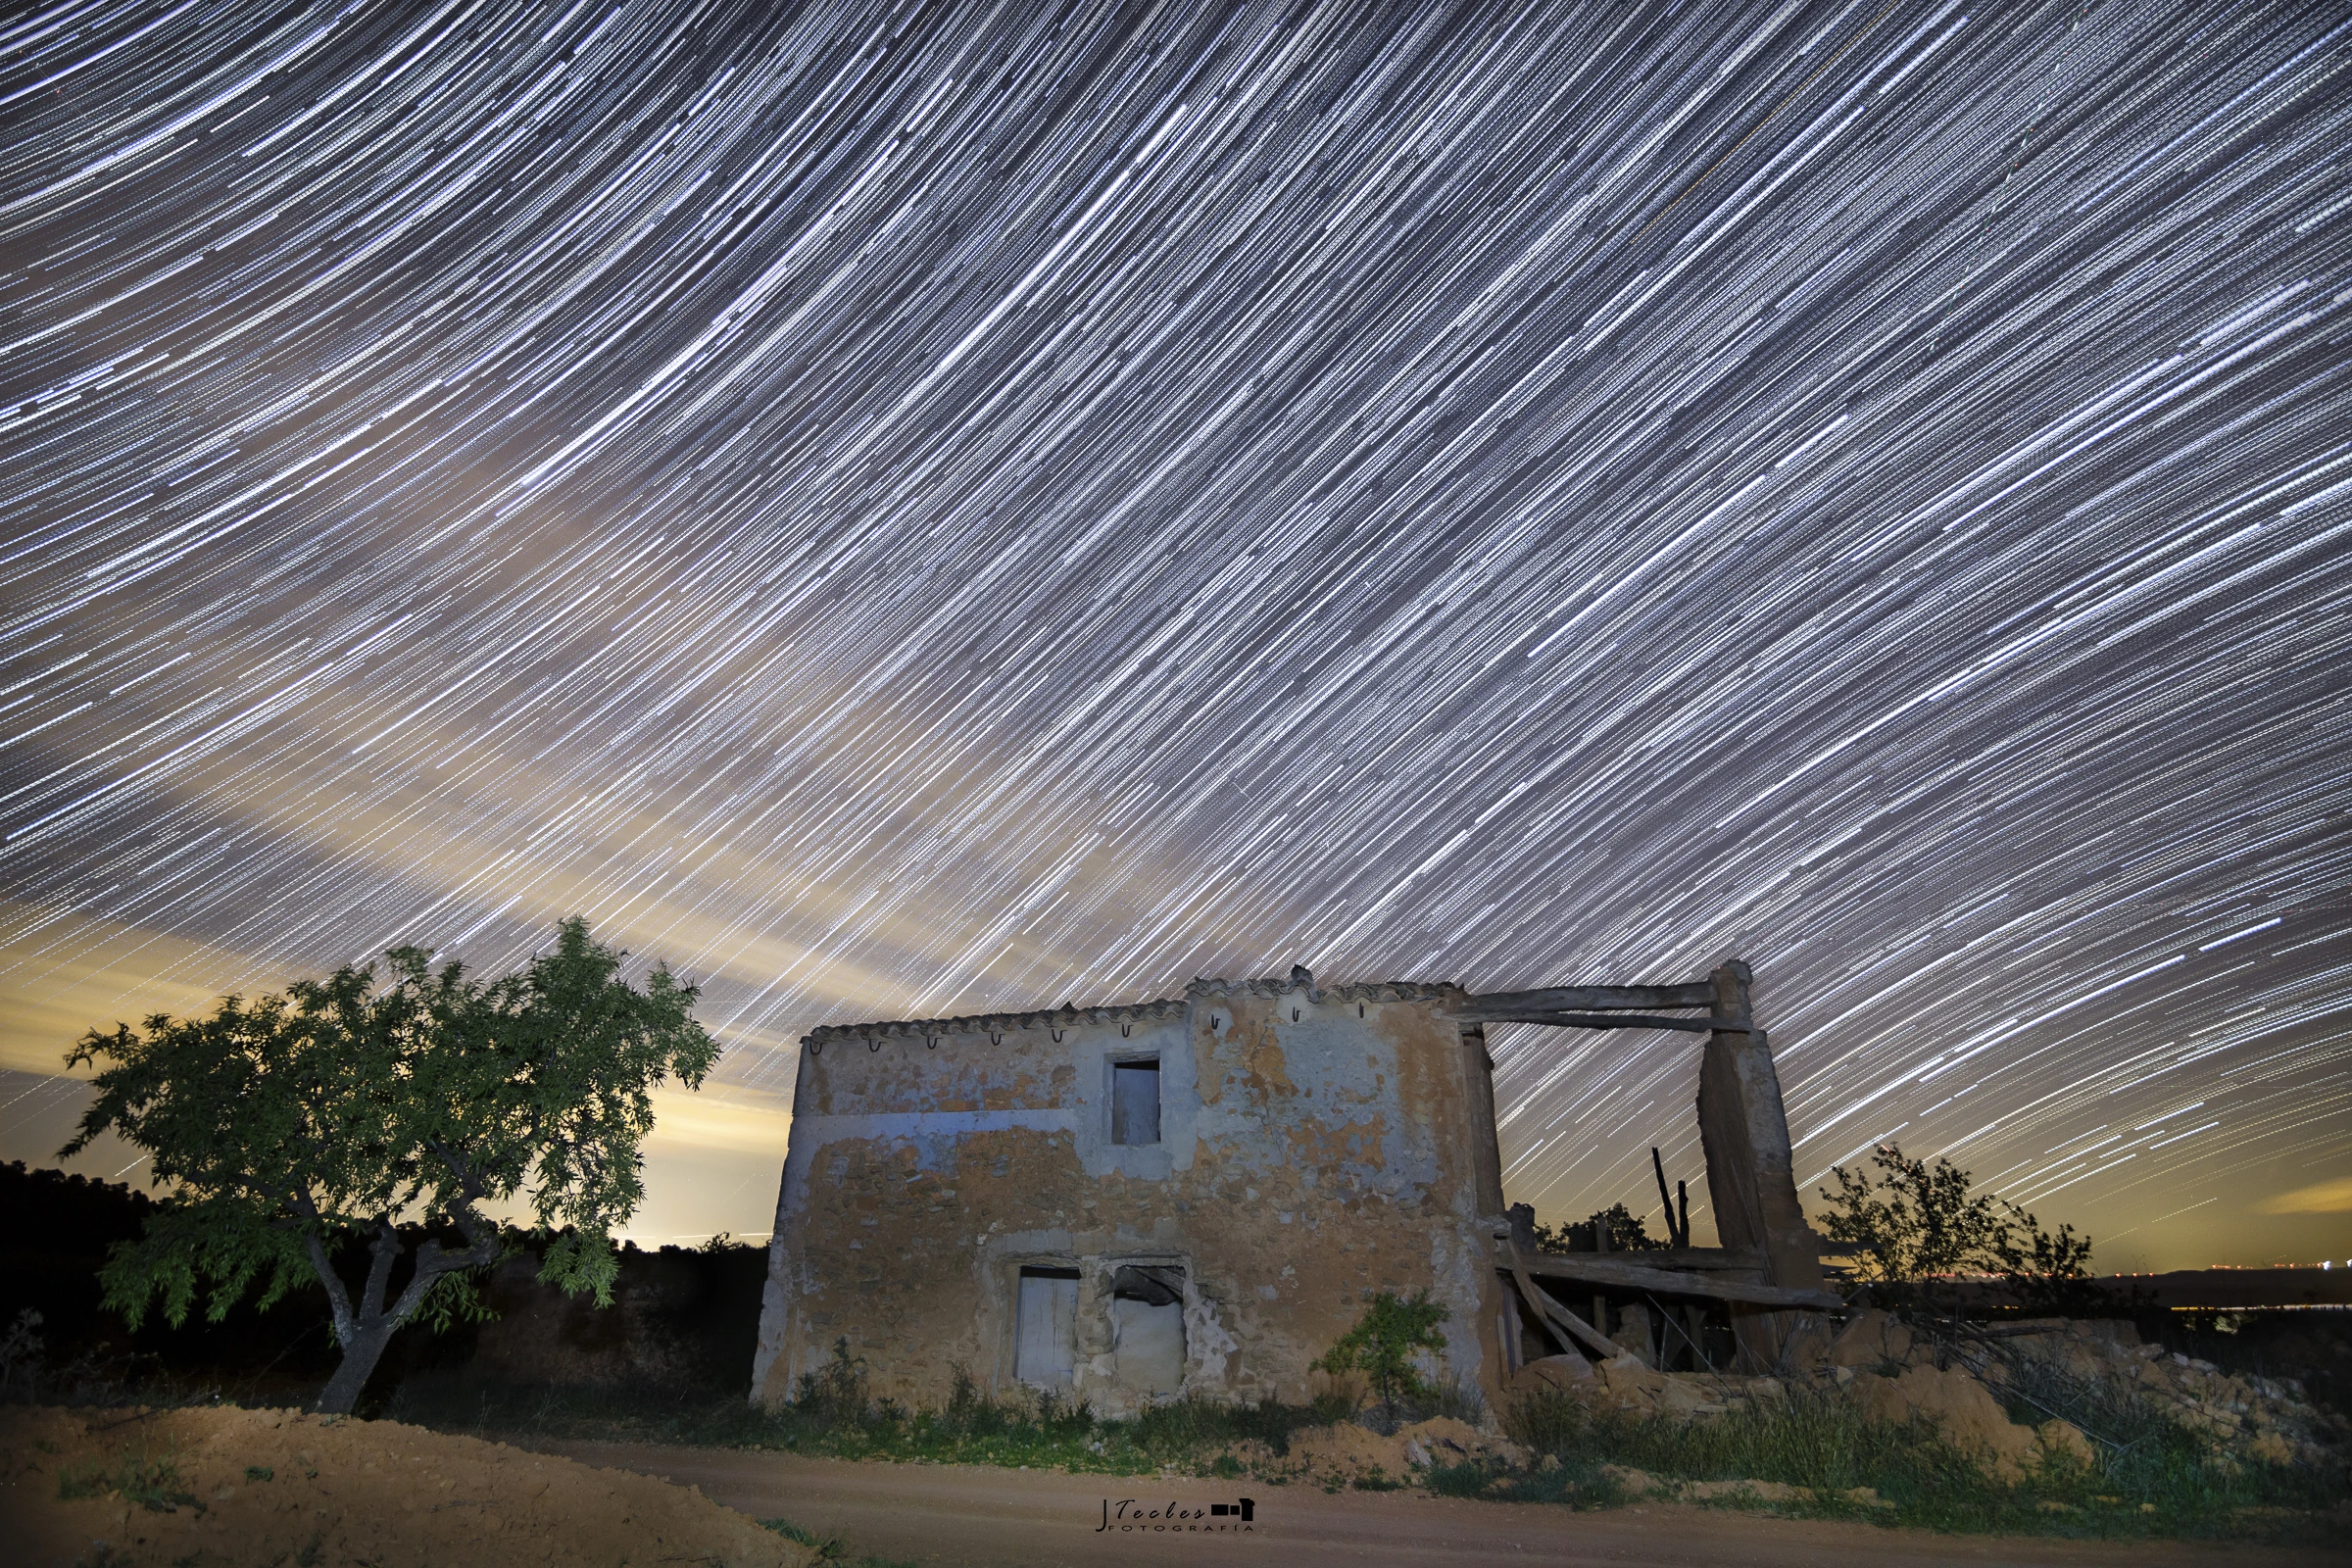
{"points": [[1585, 998], [1551, 1312], [1591, 1269], [1705, 1259], [1600, 1021]]}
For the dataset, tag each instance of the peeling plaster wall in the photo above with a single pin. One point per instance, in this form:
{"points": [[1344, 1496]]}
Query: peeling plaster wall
{"points": [[1314, 1146]]}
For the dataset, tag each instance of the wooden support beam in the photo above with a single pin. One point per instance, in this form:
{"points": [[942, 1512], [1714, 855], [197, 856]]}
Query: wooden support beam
{"points": [[1743, 1131], [1550, 1312], [1599, 1020], [1478, 1090], [1586, 1268], [1584, 999], [1717, 1259]]}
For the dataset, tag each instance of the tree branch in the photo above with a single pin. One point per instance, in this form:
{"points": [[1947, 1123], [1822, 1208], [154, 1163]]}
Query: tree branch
{"points": [[469, 1180], [386, 1248], [338, 1295], [434, 1260]]}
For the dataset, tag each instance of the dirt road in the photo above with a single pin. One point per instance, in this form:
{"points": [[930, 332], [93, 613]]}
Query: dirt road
{"points": [[976, 1517]]}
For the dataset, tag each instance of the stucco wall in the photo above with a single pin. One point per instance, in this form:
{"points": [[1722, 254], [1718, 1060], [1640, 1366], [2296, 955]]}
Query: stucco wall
{"points": [[1314, 1146]]}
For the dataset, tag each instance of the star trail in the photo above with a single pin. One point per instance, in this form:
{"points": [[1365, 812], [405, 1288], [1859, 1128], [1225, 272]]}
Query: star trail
{"points": [[904, 510]]}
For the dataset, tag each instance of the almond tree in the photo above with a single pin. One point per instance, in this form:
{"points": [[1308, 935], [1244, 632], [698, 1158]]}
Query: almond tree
{"points": [[289, 1127]]}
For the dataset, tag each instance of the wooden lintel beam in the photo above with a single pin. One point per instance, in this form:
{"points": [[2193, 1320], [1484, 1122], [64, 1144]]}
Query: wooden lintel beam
{"points": [[1601, 1021], [1634, 1277], [1586, 999]]}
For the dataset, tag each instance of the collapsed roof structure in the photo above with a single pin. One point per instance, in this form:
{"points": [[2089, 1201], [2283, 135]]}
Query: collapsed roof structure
{"points": [[1195, 1196]]}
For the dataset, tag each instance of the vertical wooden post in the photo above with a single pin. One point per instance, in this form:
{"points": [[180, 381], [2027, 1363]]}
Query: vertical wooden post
{"points": [[1600, 1243], [1485, 1147], [1674, 1234], [1743, 1133]]}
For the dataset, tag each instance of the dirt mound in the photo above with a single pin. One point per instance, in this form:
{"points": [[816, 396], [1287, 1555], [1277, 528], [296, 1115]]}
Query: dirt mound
{"points": [[1962, 1409], [1641, 1483], [1349, 1452], [231, 1488]]}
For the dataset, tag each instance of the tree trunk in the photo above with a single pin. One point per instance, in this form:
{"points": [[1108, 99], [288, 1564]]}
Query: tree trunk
{"points": [[360, 1356]]}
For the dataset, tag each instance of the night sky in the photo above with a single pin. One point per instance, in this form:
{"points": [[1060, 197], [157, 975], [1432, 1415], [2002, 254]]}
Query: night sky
{"points": [[912, 510]]}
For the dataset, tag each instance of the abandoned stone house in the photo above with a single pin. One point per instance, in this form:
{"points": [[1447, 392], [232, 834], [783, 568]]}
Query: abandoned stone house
{"points": [[1128, 1203]]}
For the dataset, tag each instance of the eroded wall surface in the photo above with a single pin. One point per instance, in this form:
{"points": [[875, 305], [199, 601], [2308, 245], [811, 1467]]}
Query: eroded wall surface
{"points": [[1315, 1145]]}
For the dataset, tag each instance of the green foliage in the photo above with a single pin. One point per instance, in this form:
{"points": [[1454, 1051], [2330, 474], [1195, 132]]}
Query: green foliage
{"points": [[454, 1298], [828, 1549], [21, 1357], [836, 1393], [77, 1481], [301, 1122], [1625, 1229], [1917, 1222], [153, 1484], [2050, 1273], [1385, 1342], [1469, 1479]]}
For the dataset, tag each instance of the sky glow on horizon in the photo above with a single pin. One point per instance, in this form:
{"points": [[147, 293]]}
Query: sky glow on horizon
{"points": [[901, 513]]}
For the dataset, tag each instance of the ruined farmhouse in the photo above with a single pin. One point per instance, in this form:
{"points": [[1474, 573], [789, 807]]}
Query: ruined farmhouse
{"points": [[1195, 1196]]}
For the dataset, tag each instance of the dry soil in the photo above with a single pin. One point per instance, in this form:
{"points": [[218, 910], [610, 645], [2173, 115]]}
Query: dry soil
{"points": [[979, 1517], [250, 1489]]}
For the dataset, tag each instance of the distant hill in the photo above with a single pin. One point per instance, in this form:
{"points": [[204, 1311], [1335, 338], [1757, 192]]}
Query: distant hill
{"points": [[2223, 1289]]}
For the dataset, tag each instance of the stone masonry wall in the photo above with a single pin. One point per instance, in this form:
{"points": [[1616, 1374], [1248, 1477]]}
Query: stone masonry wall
{"points": [[1315, 1145]]}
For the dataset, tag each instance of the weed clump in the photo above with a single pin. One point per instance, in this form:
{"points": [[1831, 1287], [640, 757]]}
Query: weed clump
{"points": [[153, 1484]]}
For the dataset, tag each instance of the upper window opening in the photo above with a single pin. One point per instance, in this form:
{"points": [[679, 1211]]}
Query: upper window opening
{"points": [[1134, 1101]]}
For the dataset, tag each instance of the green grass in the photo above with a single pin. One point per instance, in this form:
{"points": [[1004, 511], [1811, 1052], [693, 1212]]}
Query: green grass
{"points": [[2163, 1483], [1194, 1435], [829, 1547], [77, 1481]]}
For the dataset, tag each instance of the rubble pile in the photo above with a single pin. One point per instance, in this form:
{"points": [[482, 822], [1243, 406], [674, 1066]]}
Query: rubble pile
{"points": [[1965, 1387], [2269, 1419]]}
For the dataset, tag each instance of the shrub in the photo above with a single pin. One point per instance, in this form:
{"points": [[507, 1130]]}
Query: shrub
{"points": [[1624, 1229], [1915, 1223], [1383, 1343]]}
